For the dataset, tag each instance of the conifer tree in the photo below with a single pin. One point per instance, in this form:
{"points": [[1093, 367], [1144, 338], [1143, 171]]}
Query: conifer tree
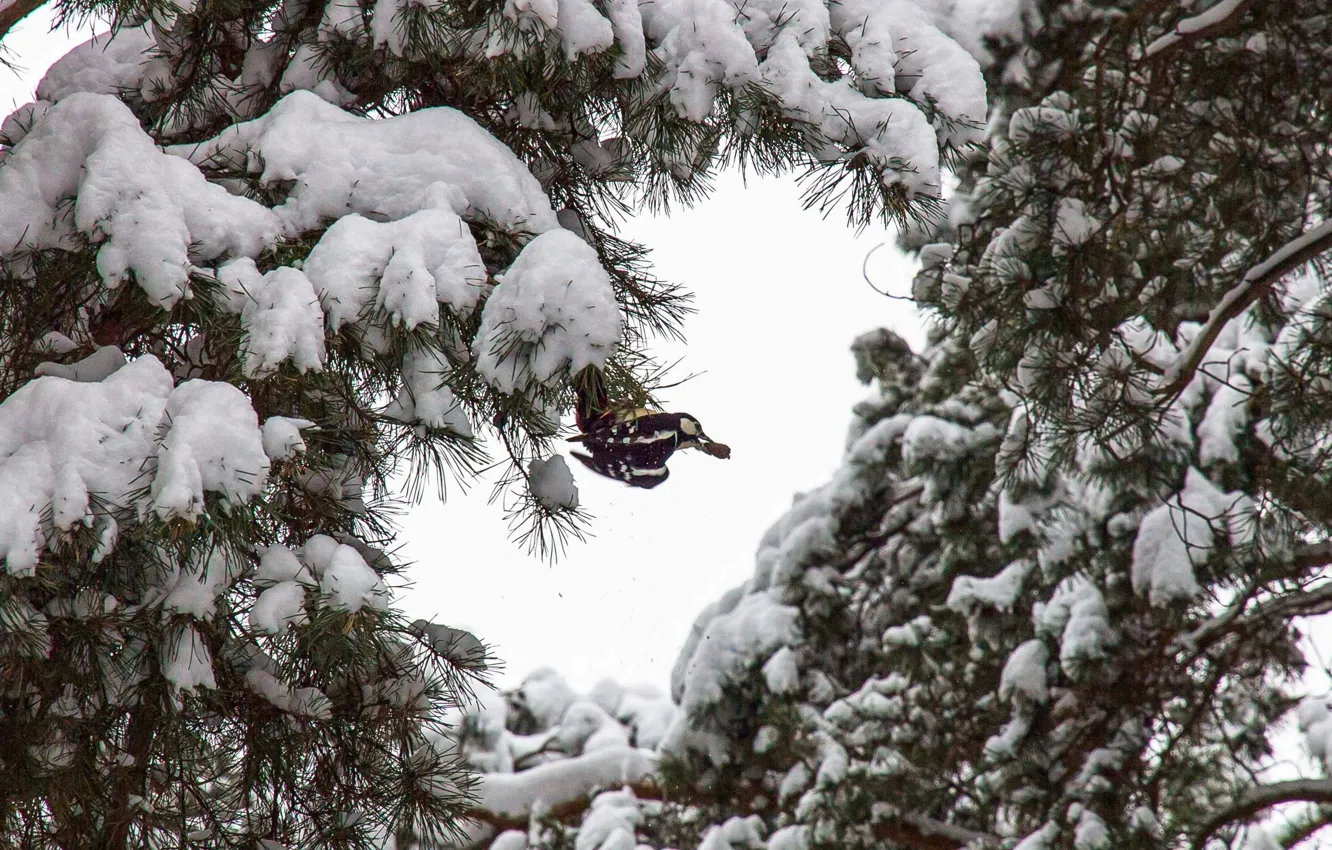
{"points": [[1056, 594], [258, 257]]}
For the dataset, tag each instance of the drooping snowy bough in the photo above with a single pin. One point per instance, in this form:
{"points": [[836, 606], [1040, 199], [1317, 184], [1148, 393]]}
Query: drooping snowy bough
{"points": [[257, 257]]}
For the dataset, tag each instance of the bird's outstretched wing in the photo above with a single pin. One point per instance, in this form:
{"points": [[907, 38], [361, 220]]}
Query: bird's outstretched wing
{"points": [[625, 469]]}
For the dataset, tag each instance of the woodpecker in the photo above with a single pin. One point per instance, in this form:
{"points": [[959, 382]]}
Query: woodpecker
{"points": [[633, 447]]}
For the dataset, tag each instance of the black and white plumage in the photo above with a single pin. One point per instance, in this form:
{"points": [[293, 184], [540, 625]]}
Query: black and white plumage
{"points": [[634, 447]]}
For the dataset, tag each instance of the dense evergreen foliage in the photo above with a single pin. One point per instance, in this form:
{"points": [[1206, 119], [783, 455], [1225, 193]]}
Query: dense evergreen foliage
{"points": [[256, 258]]}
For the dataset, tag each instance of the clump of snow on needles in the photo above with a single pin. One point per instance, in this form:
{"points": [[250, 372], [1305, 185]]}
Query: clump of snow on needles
{"points": [[378, 168], [1180, 534], [553, 310], [149, 213], [108, 63], [61, 442], [552, 483]]}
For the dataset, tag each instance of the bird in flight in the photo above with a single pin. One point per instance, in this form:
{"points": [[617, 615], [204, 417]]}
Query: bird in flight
{"points": [[634, 447], [632, 444]]}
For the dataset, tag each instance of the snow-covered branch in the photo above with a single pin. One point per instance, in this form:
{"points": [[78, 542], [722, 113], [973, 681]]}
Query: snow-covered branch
{"points": [[1263, 797], [13, 11], [1257, 282], [1213, 21], [506, 800], [922, 833], [564, 790]]}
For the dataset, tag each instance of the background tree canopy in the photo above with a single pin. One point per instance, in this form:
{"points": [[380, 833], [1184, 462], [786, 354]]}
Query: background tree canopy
{"points": [[257, 258]]}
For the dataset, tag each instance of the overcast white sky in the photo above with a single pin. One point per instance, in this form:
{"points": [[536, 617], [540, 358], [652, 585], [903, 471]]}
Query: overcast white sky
{"points": [[780, 295]]}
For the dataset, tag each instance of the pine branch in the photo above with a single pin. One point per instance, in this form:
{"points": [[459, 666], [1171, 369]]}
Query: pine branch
{"points": [[1257, 282], [917, 832], [16, 11], [1261, 798], [1299, 603], [921, 833], [1219, 19]]}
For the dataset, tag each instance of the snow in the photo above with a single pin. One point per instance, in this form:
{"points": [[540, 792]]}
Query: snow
{"points": [[281, 317], [1180, 534], [350, 583], [1086, 633], [930, 439], [460, 647], [1226, 417], [62, 441], [707, 45], [627, 26], [151, 214], [302, 702], [1041, 839], [281, 437], [897, 48], [212, 444], [425, 397], [1073, 226], [95, 367], [902, 143], [1031, 120], [612, 814], [789, 838], [108, 63], [583, 29], [279, 564], [1091, 832], [1023, 676], [1314, 720], [587, 727], [385, 169], [1210, 17], [195, 592], [186, 661], [515, 795], [278, 607], [734, 834], [552, 483], [553, 312], [404, 268], [511, 839], [732, 642], [648, 714], [781, 672], [999, 591]]}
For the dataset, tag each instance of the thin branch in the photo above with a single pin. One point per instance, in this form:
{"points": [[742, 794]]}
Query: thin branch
{"points": [[1257, 282], [1297, 832], [1219, 19], [1300, 603], [1263, 797], [16, 11]]}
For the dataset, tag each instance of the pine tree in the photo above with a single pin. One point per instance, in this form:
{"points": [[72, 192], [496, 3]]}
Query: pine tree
{"points": [[1055, 596], [256, 259]]}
